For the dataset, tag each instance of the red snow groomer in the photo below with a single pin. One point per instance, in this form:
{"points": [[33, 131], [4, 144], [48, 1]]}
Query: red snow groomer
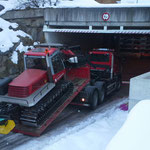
{"points": [[36, 97]]}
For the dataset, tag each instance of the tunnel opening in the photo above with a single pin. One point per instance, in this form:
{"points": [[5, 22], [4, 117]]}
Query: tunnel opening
{"points": [[135, 54], [133, 49]]}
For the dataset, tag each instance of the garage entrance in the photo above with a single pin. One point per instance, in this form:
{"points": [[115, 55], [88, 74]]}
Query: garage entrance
{"points": [[135, 54], [133, 49]]}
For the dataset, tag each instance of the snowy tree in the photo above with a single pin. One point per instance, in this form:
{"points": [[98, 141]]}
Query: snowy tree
{"points": [[36, 3]]}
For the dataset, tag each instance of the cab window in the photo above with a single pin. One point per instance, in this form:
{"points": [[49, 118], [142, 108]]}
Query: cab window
{"points": [[57, 63], [36, 63]]}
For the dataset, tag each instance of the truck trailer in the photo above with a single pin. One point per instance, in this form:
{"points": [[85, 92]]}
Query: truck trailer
{"points": [[55, 76]]}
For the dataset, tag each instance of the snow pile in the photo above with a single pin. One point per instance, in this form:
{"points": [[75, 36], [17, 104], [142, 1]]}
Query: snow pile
{"points": [[135, 133], [8, 35], [9, 5], [92, 134], [63, 3], [79, 3]]}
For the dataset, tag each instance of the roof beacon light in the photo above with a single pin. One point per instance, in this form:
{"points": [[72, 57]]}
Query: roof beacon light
{"points": [[46, 50]]}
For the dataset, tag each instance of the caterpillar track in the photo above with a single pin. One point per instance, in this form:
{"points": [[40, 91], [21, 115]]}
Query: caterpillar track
{"points": [[10, 111], [36, 115]]}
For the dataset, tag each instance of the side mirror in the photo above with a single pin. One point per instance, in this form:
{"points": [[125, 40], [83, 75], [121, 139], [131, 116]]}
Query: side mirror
{"points": [[73, 60]]}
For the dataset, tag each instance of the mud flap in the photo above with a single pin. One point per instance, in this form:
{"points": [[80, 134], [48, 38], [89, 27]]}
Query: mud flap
{"points": [[6, 126]]}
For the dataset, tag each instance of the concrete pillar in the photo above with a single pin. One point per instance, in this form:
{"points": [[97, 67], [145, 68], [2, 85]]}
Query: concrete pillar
{"points": [[139, 89]]}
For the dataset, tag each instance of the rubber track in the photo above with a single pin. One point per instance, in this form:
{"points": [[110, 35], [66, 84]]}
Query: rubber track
{"points": [[37, 114], [9, 111]]}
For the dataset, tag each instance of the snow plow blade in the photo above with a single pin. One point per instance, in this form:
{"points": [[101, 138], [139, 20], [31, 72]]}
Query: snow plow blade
{"points": [[6, 126]]}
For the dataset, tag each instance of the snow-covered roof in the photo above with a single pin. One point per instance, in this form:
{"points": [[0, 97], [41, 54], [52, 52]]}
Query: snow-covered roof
{"points": [[12, 4]]}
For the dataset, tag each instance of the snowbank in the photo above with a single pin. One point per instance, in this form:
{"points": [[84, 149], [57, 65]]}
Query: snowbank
{"points": [[135, 133]]}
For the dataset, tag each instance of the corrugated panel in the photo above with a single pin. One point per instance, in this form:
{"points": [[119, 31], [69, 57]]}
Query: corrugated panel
{"points": [[102, 31]]}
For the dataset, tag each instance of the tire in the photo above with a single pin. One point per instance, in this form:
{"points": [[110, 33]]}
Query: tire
{"points": [[101, 90], [94, 100], [101, 96], [93, 96], [118, 84]]}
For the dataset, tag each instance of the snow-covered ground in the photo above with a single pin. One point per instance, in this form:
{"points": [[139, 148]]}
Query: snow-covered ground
{"points": [[135, 133], [94, 132]]}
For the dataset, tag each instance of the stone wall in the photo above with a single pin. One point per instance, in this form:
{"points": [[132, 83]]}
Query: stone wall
{"points": [[30, 21], [7, 67]]}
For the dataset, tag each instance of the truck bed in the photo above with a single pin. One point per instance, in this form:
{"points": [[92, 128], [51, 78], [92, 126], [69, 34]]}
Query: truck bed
{"points": [[79, 84]]}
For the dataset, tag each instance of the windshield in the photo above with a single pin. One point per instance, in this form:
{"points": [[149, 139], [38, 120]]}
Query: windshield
{"points": [[99, 57], [36, 63]]}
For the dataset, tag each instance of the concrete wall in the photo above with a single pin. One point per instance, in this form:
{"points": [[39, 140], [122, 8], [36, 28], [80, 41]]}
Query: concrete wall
{"points": [[32, 20], [139, 89], [93, 16]]}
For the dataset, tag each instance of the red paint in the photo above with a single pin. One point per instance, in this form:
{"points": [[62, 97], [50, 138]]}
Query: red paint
{"points": [[58, 76], [27, 82], [47, 51], [82, 72], [30, 53], [68, 52], [109, 63]]}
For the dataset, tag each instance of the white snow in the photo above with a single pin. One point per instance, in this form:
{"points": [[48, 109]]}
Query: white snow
{"points": [[8, 35], [92, 134], [13, 4], [79, 3], [20, 48], [14, 57], [135, 1], [8, 4], [135, 133]]}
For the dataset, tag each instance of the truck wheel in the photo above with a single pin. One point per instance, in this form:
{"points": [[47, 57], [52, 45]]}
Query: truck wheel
{"points": [[101, 95], [94, 99], [118, 84], [101, 90]]}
